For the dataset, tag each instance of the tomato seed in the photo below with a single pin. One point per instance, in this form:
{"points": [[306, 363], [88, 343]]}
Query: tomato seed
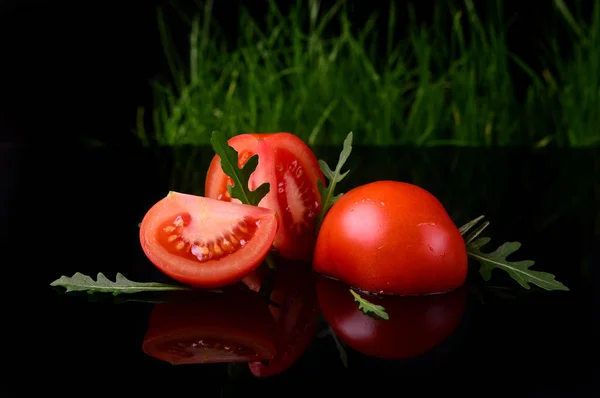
{"points": [[217, 249], [172, 238]]}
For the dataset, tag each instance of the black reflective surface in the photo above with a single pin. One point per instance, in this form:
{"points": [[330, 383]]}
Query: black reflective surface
{"points": [[73, 210]]}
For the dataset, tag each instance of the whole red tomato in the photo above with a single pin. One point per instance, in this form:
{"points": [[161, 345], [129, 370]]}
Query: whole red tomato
{"points": [[415, 326], [390, 237]]}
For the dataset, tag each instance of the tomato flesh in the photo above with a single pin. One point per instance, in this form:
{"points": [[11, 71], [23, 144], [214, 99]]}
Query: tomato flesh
{"points": [[415, 326], [292, 171], [228, 327], [173, 236], [390, 237], [205, 242]]}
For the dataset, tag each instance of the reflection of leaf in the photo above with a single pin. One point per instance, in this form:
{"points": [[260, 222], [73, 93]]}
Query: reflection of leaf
{"points": [[240, 176], [328, 197], [341, 349], [519, 270], [80, 282], [369, 308]]}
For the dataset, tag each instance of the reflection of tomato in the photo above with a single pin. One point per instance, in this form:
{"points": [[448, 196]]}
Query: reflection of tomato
{"points": [[296, 317], [205, 242], [390, 237], [292, 170], [415, 325], [229, 327]]}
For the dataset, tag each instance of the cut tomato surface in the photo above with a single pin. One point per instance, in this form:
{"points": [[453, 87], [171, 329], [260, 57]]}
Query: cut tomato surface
{"points": [[292, 170], [416, 324], [296, 317], [204, 242], [229, 327]]}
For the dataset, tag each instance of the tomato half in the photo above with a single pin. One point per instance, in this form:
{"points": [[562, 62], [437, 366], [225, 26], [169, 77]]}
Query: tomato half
{"points": [[228, 327], [292, 170], [205, 242], [296, 317], [390, 237], [415, 325]]}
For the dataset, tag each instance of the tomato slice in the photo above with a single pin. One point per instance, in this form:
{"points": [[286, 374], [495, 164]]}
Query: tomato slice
{"points": [[228, 327], [204, 242], [296, 317], [292, 170], [416, 324]]}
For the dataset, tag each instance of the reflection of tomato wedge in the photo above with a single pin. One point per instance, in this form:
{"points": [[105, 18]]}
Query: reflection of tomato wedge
{"points": [[230, 327], [416, 325], [296, 317], [292, 170], [205, 242]]}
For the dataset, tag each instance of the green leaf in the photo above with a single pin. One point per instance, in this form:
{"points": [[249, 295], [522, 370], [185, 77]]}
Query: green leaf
{"points": [[80, 282], [369, 308], [471, 237], [467, 227], [240, 176], [518, 270], [328, 197]]}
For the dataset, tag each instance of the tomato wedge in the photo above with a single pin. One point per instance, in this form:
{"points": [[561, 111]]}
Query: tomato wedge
{"points": [[204, 242], [228, 327], [296, 317], [416, 324], [292, 170]]}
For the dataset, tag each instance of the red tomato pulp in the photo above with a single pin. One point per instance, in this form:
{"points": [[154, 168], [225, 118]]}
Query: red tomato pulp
{"points": [[205, 242], [228, 327], [391, 237], [415, 325], [292, 170]]}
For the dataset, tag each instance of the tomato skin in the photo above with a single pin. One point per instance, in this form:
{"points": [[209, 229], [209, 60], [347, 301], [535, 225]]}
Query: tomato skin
{"points": [[204, 213], [296, 317], [234, 318], [391, 237], [416, 324], [274, 150]]}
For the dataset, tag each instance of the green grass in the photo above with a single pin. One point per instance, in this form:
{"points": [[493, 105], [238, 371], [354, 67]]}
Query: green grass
{"points": [[311, 73]]}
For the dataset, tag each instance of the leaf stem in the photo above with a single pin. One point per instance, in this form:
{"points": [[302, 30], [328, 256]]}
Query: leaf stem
{"points": [[270, 260]]}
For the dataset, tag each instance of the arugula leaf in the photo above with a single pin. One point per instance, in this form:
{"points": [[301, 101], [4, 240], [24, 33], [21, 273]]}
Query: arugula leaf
{"points": [[328, 198], [519, 270], [80, 282], [240, 176], [467, 227], [369, 308]]}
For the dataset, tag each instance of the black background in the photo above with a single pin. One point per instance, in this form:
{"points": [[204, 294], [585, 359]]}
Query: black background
{"points": [[71, 70]]}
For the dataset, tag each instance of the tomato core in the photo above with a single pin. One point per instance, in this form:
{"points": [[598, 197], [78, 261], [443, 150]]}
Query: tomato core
{"points": [[173, 238]]}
